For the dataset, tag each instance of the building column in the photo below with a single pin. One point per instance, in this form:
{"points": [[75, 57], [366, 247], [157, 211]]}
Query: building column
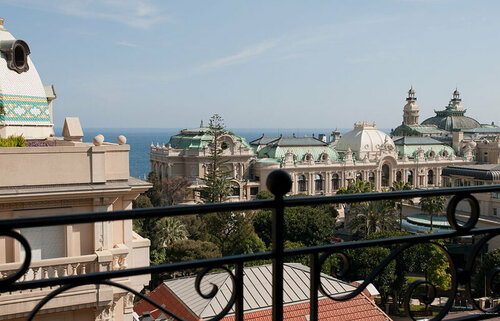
{"points": [[103, 231]]}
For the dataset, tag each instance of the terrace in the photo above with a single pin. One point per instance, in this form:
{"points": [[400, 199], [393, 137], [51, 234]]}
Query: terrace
{"points": [[51, 280]]}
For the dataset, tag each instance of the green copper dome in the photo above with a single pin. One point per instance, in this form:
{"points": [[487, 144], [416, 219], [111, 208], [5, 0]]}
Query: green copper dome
{"points": [[199, 138], [452, 119]]}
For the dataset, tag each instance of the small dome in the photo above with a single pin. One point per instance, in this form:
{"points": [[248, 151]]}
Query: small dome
{"points": [[364, 138], [22, 94]]}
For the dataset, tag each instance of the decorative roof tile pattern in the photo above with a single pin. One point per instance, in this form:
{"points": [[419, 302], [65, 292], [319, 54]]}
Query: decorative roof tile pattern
{"points": [[22, 95], [359, 308]]}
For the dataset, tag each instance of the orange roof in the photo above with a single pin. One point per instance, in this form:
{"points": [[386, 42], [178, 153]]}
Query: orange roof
{"points": [[359, 308]]}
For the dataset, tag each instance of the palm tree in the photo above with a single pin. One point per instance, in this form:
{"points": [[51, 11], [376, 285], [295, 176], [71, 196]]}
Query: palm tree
{"points": [[373, 217], [170, 230], [357, 187], [433, 205], [398, 204]]}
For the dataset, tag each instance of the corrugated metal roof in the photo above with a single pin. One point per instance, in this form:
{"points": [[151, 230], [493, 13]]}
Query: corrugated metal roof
{"points": [[257, 288]]}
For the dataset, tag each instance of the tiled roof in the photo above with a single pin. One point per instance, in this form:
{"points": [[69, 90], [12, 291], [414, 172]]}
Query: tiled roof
{"points": [[163, 296], [257, 294], [359, 308]]}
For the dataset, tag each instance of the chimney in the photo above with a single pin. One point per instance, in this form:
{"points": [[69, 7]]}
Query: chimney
{"points": [[1, 21]]}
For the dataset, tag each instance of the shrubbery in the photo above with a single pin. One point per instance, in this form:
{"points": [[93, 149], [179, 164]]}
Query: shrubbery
{"points": [[13, 141]]}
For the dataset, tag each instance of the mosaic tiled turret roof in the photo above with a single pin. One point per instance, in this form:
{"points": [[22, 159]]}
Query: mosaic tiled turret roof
{"points": [[23, 97]]}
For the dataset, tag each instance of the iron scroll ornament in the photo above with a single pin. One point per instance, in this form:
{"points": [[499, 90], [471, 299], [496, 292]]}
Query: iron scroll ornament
{"points": [[199, 278], [458, 275], [27, 258], [462, 193]]}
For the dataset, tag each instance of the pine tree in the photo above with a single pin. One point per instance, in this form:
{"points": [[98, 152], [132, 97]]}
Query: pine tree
{"points": [[218, 187]]}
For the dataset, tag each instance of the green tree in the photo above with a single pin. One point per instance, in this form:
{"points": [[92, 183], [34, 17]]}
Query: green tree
{"points": [[373, 217], [311, 225], [194, 226], [232, 232], [433, 205], [217, 187], [364, 260], [490, 261], [174, 190], [167, 231], [264, 195], [398, 204], [357, 187], [154, 193], [142, 201]]}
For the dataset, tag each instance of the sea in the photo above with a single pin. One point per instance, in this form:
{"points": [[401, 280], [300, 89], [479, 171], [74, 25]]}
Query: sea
{"points": [[140, 139]]}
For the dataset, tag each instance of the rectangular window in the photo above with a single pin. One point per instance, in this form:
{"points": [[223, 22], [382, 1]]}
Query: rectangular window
{"points": [[495, 195], [254, 190], [495, 211]]}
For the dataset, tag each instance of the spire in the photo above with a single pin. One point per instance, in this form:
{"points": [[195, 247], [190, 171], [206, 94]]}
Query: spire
{"points": [[411, 95]]}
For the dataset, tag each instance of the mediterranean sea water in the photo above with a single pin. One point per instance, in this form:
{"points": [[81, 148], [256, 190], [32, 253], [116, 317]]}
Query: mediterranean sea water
{"points": [[140, 139]]}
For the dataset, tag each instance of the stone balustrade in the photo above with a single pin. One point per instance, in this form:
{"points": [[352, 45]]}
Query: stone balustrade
{"points": [[52, 268]]}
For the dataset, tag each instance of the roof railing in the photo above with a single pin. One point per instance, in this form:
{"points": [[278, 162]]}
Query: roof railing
{"points": [[279, 183]]}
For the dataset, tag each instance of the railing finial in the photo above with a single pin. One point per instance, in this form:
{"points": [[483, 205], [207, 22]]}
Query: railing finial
{"points": [[279, 182]]}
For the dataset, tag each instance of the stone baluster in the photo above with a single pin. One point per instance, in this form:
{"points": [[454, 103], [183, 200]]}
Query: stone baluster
{"points": [[55, 271], [116, 264], [74, 268], [35, 273], [65, 270], [84, 268], [45, 272]]}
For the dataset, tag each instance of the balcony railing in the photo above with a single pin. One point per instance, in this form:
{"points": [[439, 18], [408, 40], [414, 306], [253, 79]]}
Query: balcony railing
{"points": [[279, 184]]}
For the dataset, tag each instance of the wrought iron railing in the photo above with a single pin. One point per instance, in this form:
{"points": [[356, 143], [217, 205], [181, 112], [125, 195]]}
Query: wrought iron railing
{"points": [[279, 183]]}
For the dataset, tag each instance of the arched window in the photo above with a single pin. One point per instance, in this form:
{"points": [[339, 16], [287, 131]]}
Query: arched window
{"points": [[302, 183], [335, 181], [410, 177], [399, 177], [318, 183], [359, 176], [445, 153], [430, 177], [432, 154], [371, 178], [385, 175]]}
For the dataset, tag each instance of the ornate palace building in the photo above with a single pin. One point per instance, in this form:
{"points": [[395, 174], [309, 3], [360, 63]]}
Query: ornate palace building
{"points": [[416, 153]]}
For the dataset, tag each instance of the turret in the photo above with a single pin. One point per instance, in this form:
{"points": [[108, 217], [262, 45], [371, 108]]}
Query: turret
{"points": [[411, 110], [455, 101]]}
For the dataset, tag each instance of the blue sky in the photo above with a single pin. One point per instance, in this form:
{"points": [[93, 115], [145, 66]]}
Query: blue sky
{"points": [[304, 64]]}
